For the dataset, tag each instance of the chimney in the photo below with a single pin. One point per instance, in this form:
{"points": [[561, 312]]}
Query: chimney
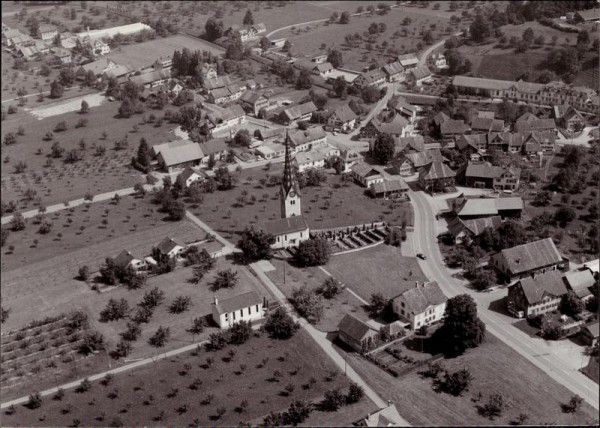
{"points": [[216, 300]]}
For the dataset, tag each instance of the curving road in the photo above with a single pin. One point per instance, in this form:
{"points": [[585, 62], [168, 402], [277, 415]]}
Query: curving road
{"points": [[535, 350]]}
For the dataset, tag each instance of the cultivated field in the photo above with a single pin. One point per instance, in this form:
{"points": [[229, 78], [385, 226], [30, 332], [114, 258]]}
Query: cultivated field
{"points": [[327, 206], [381, 269], [161, 391], [525, 387]]}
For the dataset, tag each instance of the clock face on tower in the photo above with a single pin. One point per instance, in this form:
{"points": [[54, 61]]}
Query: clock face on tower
{"points": [[292, 193]]}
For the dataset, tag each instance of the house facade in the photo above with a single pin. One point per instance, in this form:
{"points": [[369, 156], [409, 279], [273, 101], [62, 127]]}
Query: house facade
{"points": [[302, 141], [374, 78], [47, 32], [394, 72], [538, 294], [486, 175], [342, 119], [357, 334], [418, 75], [293, 115], [125, 259], [169, 248], [436, 177], [365, 174], [421, 306], [247, 307]]}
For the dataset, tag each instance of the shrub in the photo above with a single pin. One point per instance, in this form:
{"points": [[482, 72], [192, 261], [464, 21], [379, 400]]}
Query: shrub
{"points": [[180, 304], [280, 325], [84, 386], [330, 288], [35, 401]]}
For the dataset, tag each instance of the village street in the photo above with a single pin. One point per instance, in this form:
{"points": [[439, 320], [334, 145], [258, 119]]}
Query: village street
{"points": [[543, 354]]}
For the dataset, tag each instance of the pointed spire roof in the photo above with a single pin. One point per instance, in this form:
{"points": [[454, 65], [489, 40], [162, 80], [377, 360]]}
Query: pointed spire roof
{"points": [[289, 177]]}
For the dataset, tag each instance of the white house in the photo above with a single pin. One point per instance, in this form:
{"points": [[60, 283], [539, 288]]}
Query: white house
{"points": [[170, 248], [47, 32], [365, 174], [418, 75], [315, 158], [342, 119], [423, 305], [243, 307], [100, 48], [308, 139], [126, 259]]}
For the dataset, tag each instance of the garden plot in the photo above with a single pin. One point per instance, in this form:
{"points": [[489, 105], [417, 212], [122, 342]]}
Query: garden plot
{"points": [[73, 104]]}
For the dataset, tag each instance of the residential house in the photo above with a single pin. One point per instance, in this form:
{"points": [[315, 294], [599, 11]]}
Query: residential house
{"points": [[174, 87], [394, 72], [357, 334], [215, 147], [365, 174], [323, 69], [125, 259], [307, 139], [243, 307], [529, 122], [408, 61], [191, 175], [319, 59], [267, 152], [152, 79], [538, 294], [397, 127], [484, 124], [342, 119], [588, 15], [157, 148], [350, 158], [47, 32], [247, 33], [438, 61], [42, 47], [226, 94], [173, 158], [100, 48], [374, 78], [580, 283], [528, 259], [407, 110], [409, 163], [589, 334], [392, 188], [98, 67], [18, 40], [120, 72], [315, 158], [386, 417], [570, 119], [63, 55], [453, 129], [8, 35], [536, 142], [169, 248], [208, 72], [226, 118], [405, 145], [217, 82], [440, 118], [254, 102], [467, 230], [593, 266], [511, 142], [424, 304], [265, 134], [474, 144], [288, 232], [488, 176], [418, 75], [436, 177], [469, 208], [291, 116], [28, 52]]}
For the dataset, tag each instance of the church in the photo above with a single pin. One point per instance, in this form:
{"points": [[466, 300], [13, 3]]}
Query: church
{"points": [[291, 228]]}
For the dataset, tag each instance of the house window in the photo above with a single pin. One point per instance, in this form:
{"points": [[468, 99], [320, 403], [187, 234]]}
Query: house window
{"points": [[256, 308], [233, 315]]}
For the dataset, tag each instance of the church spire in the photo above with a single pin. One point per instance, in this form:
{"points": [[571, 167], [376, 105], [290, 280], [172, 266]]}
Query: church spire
{"points": [[289, 177]]}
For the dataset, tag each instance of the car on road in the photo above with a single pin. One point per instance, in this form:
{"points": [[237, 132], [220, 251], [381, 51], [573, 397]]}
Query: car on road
{"points": [[422, 256]]}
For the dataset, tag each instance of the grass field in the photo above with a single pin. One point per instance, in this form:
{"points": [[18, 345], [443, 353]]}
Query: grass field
{"points": [[61, 182], [313, 278], [525, 387], [166, 385], [330, 205], [380, 269]]}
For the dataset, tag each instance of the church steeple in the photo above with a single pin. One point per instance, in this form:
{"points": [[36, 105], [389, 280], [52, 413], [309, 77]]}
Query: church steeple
{"points": [[289, 194]]}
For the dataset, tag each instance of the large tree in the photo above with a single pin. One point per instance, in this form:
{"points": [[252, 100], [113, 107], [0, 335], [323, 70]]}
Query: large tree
{"points": [[213, 29], [304, 80], [280, 325], [462, 328], [248, 18], [335, 58], [383, 148], [570, 304], [256, 245], [313, 252], [480, 28]]}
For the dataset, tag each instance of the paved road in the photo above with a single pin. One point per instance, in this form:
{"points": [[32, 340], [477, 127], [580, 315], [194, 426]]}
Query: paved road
{"points": [[535, 350], [99, 376]]}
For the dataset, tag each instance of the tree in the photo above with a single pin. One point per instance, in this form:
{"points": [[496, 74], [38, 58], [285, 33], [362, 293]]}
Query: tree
{"points": [[457, 63], [378, 305], [308, 304], [280, 325], [114, 310], [542, 199], [240, 332], [334, 57], [143, 158], [227, 278], [35, 401], [56, 89], [213, 29], [462, 328], [355, 393], [480, 28], [265, 44], [570, 304], [84, 273], [564, 215], [203, 263], [573, 405], [180, 304], [153, 298], [287, 45], [428, 38], [17, 222], [345, 17], [333, 400], [4, 313], [197, 326], [330, 288], [484, 279], [85, 107], [304, 80], [224, 179], [256, 245], [528, 36], [370, 94], [454, 383], [493, 408], [160, 338], [248, 18], [127, 108], [340, 87], [383, 148], [313, 252], [242, 138], [4, 236]]}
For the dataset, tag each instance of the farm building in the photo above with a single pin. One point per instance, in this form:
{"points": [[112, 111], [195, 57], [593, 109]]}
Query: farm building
{"points": [[418, 75], [486, 175], [436, 177], [125, 259], [124, 30], [254, 102], [169, 248], [342, 119], [537, 295], [173, 158], [370, 78], [190, 175], [243, 307], [580, 282], [469, 208], [397, 127], [151, 79], [357, 334], [394, 72], [315, 157], [393, 188], [291, 116], [365, 174], [466, 230], [216, 147], [307, 139]]}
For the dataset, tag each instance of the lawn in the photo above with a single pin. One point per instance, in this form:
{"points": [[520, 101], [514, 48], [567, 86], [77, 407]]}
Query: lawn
{"points": [[496, 369], [591, 370], [381, 269], [326, 206], [313, 278], [58, 182], [315, 39], [161, 393]]}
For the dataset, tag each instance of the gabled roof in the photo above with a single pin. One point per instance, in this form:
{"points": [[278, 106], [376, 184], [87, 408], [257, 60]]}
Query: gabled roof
{"points": [[450, 127], [532, 255], [295, 112], [157, 148], [217, 82], [477, 226], [355, 328], [594, 329], [487, 170], [251, 97], [393, 68], [416, 143], [10, 33], [535, 125], [97, 67], [371, 76], [536, 288], [124, 258], [440, 118], [350, 155], [363, 169], [181, 154], [489, 206], [394, 185], [117, 71], [282, 226], [420, 72], [403, 106], [436, 171], [166, 245], [479, 83], [235, 303], [473, 140], [487, 125], [219, 93], [344, 113], [189, 171], [46, 29], [314, 155], [421, 159], [394, 127], [302, 137], [227, 113], [589, 14], [271, 132], [580, 282], [387, 417], [421, 297], [408, 59], [216, 145]]}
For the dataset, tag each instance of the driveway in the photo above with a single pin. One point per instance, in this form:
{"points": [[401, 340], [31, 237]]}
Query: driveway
{"points": [[559, 360]]}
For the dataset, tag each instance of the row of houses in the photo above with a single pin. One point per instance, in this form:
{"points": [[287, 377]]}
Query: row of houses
{"points": [[553, 93]]}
